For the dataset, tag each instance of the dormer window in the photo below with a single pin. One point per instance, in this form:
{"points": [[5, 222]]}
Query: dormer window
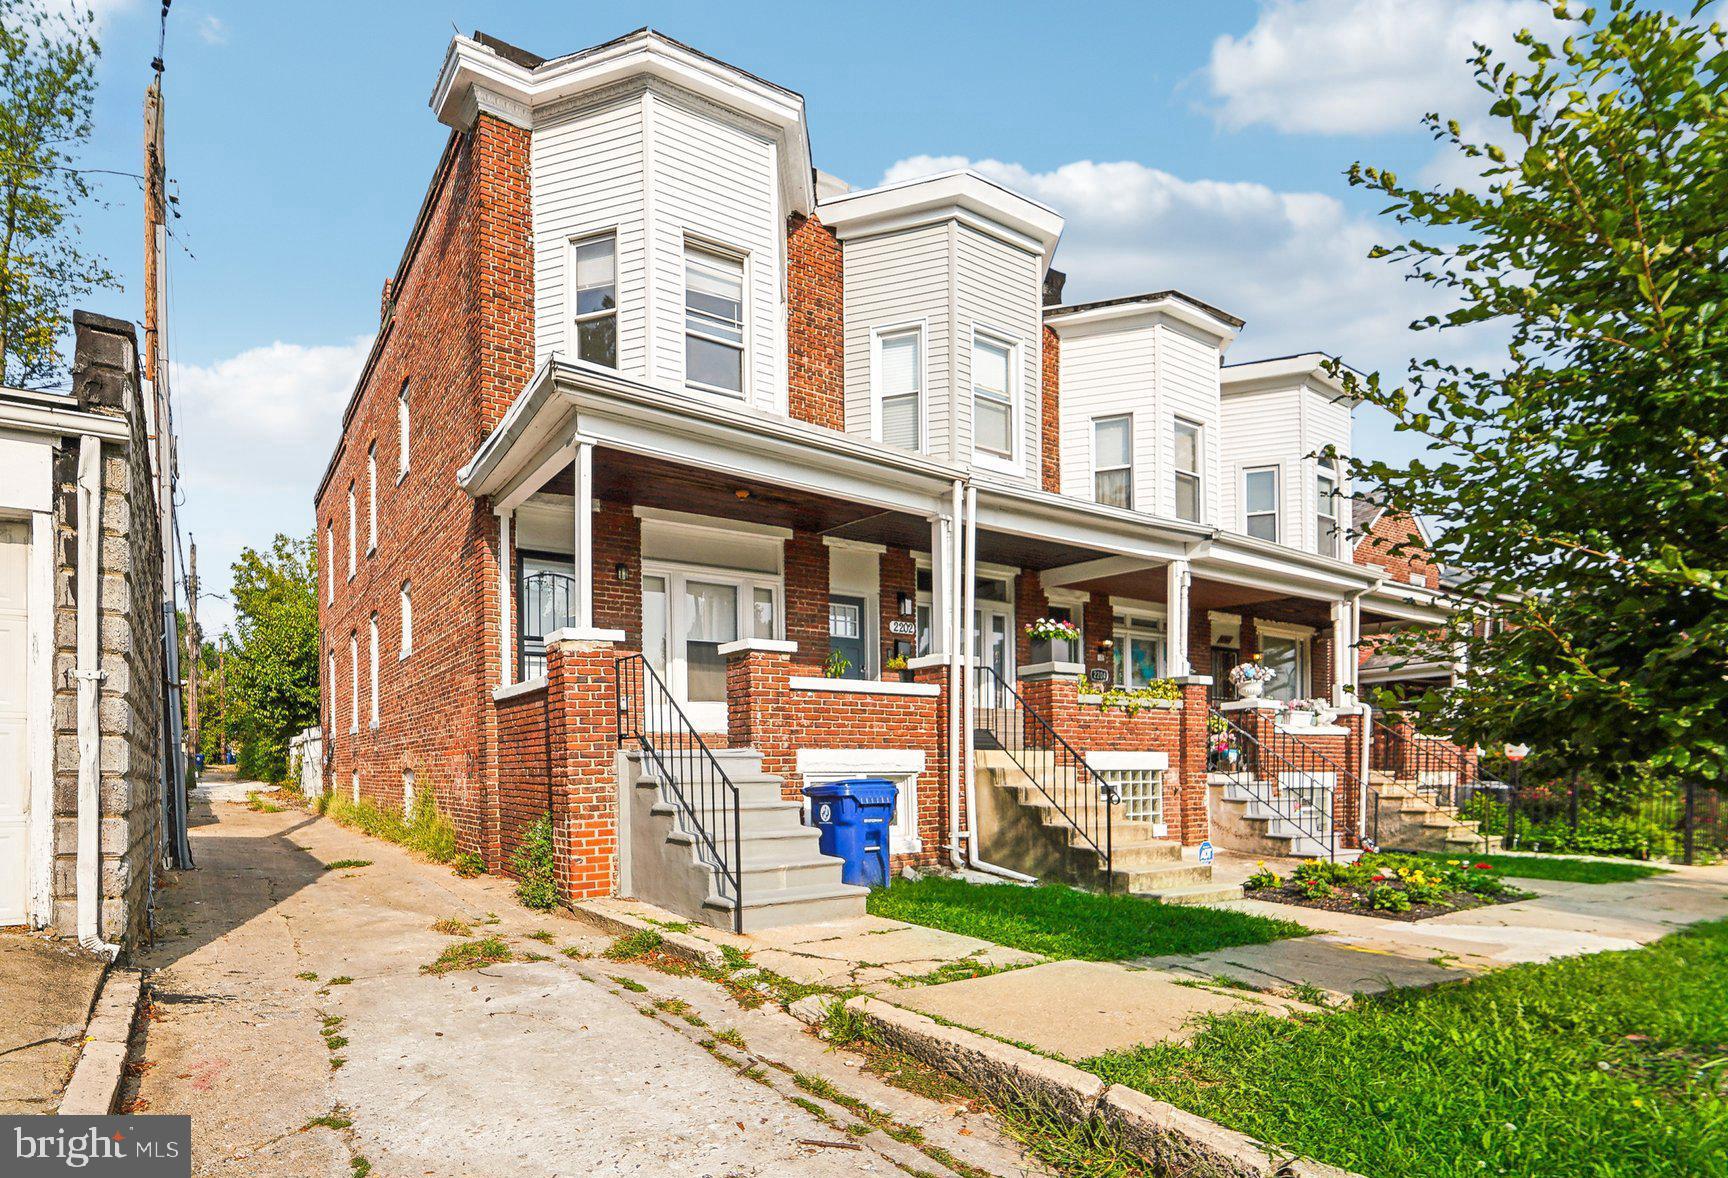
{"points": [[596, 274], [714, 321], [992, 401]]}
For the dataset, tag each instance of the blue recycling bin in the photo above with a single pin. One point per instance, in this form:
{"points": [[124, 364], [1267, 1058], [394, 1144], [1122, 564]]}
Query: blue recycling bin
{"points": [[854, 818]]}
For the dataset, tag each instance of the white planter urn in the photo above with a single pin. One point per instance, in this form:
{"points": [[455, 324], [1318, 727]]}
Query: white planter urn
{"points": [[1299, 719], [1250, 689]]}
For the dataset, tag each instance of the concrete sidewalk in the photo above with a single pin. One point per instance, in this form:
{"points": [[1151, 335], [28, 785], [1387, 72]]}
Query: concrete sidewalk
{"points": [[292, 1020], [46, 989]]}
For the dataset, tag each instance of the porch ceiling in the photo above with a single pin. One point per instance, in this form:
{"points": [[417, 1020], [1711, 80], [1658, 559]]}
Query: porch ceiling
{"points": [[1203, 594]]}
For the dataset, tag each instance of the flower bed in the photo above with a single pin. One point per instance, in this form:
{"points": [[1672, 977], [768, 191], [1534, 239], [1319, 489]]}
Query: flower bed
{"points": [[1397, 887]]}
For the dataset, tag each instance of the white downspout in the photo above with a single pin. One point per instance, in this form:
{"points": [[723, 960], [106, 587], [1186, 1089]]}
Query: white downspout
{"points": [[89, 675], [953, 635], [969, 574]]}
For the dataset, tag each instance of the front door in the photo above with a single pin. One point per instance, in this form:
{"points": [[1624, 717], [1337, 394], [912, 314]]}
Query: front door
{"points": [[993, 646], [846, 637], [14, 724]]}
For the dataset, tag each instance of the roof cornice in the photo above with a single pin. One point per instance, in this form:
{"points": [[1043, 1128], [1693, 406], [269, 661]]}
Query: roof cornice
{"points": [[1123, 312], [1308, 367], [960, 195], [477, 79]]}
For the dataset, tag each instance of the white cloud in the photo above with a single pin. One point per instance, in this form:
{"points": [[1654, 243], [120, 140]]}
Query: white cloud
{"points": [[1293, 264], [256, 431], [1339, 67], [212, 31]]}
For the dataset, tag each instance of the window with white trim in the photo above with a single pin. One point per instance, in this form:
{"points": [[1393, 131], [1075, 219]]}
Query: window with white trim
{"points": [[372, 667], [713, 320], [372, 499], [1138, 650], [1113, 460], [1287, 653], [1326, 529], [407, 645], [402, 433], [1260, 502], [1186, 471], [330, 562], [899, 388], [330, 719], [594, 273], [353, 530], [353, 682], [992, 397]]}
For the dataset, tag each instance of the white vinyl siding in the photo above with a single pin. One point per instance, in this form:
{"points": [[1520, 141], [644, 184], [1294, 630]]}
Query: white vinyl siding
{"points": [[1187, 390], [888, 280], [999, 294], [594, 299], [899, 387], [993, 410], [1285, 425], [586, 177]]}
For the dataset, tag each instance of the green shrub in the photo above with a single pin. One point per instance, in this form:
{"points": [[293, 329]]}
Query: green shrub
{"points": [[1387, 898], [535, 866], [424, 830]]}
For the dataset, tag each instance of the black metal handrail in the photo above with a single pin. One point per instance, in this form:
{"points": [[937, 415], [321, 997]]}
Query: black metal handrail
{"points": [[1266, 769], [1061, 774], [690, 775], [1436, 769]]}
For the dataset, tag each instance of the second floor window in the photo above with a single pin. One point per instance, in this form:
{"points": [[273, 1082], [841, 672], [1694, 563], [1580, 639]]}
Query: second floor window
{"points": [[714, 320], [1326, 513], [353, 525], [900, 382], [330, 562], [1113, 461], [372, 668], [402, 432], [992, 402], [406, 647], [1187, 471], [372, 498], [597, 300], [1260, 502]]}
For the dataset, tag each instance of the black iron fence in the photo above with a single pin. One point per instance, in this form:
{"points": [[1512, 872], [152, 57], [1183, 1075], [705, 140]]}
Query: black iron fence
{"points": [[1288, 777], [1683, 822], [691, 778], [1003, 720]]}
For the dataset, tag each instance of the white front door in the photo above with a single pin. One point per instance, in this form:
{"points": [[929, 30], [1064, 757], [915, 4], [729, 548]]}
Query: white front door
{"points": [[993, 646], [14, 724], [687, 616]]}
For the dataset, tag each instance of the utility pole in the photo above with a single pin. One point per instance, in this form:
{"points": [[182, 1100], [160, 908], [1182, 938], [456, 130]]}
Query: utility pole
{"points": [[194, 649]]}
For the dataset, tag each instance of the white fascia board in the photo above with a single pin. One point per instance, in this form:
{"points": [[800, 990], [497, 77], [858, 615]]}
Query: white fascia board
{"points": [[473, 78], [1040, 515], [1239, 560], [962, 195], [1143, 312], [1284, 372], [70, 422], [1426, 610]]}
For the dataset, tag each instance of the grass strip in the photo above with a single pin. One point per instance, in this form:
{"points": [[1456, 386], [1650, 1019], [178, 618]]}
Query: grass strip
{"points": [[1058, 921], [1587, 871], [1609, 1065]]}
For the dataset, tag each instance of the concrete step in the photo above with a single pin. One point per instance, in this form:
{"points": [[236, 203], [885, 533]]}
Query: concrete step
{"points": [[772, 908], [758, 787], [1142, 882], [1142, 853], [1208, 893], [754, 817]]}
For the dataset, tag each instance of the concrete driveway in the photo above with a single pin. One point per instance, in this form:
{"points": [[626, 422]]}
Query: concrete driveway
{"points": [[292, 1020]]}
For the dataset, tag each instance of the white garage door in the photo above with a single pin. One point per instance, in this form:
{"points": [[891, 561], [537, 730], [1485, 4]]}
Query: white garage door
{"points": [[14, 725]]}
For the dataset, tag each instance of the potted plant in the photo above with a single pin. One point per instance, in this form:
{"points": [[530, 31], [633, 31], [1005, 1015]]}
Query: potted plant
{"points": [[836, 665], [1299, 713], [1045, 633], [1252, 678], [897, 664]]}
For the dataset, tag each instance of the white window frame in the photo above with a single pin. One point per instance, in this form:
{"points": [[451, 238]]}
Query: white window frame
{"points": [[1198, 474], [708, 715], [372, 499], [406, 646], [742, 257], [353, 530], [330, 561], [1303, 637], [901, 766], [571, 292], [1327, 545], [335, 700], [1277, 512], [354, 683], [404, 433], [877, 335], [989, 459], [1138, 612], [1092, 448], [372, 667]]}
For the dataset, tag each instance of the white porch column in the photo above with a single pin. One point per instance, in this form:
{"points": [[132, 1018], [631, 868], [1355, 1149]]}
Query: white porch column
{"points": [[583, 590], [941, 578], [1345, 622], [1178, 578], [506, 603]]}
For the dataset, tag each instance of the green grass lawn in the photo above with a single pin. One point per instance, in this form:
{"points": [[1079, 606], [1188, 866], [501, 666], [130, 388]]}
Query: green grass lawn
{"points": [[1608, 1065], [1063, 922], [1568, 870]]}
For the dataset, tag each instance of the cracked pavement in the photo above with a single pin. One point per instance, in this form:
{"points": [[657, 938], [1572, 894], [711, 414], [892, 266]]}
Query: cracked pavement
{"points": [[533, 1067]]}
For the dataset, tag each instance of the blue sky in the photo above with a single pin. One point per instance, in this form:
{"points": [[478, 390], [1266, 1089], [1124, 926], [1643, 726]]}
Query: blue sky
{"points": [[1197, 146]]}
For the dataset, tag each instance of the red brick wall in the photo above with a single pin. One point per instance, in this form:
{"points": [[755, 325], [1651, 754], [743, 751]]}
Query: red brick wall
{"points": [[807, 596], [766, 713], [1394, 543], [581, 731], [898, 574], [618, 541], [815, 345], [1050, 423], [524, 767], [460, 335]]}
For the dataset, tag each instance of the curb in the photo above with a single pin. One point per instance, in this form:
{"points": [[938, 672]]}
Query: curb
{"points": [[681, 945], [1173, 1140], [95, 1082]]}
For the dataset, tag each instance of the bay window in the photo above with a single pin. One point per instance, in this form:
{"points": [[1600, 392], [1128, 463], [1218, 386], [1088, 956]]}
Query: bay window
{"points": [[899, 388], [714, 320], [1326, 529], [595, 275], [1113, 461], [992, 397], [1260, 502], [1186, 471]]}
